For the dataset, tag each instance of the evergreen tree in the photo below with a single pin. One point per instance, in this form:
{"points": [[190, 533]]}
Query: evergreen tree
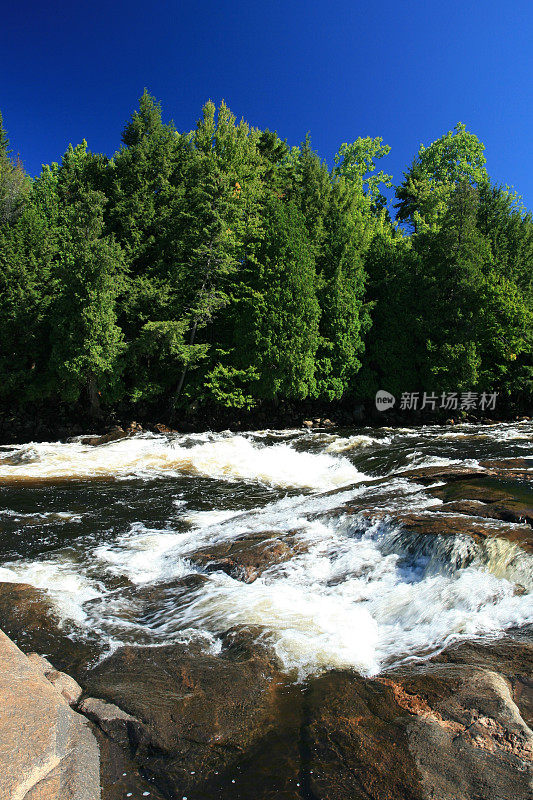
{"points": [[14, 183], [276, 319], [86, 341]]}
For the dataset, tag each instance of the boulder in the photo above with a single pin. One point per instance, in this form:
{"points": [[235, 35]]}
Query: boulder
{"points": [[196, 715], [115, 723], [67, 687], [448, 473], [247, 557], [27, 616], [47, 752], [445, 731], [510, 656], [508, 464], [504, 510], [112, 435]]}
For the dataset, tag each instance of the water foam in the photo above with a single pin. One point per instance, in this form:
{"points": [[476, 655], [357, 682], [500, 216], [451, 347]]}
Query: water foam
{"points": [[355, 595], [223, 457]]}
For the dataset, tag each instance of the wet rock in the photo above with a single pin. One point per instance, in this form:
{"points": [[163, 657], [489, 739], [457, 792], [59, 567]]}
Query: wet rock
{"points": [[354, 744], [159, 427], [465, 733], [197, 713], [450, 732], [449, 473], [28, 617], [120, 776], [307, 423], [439, 524], [248, 557], [488, 491], [513, 464], [504, 510], [113, 435], [115, 723], [510, 656], [46, 750]]}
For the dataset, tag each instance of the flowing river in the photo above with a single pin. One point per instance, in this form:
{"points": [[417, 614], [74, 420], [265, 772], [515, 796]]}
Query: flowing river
{"points": [[111, 532]]}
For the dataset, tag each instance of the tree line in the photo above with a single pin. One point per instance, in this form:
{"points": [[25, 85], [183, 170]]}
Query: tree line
{"points": [[221, 267]]}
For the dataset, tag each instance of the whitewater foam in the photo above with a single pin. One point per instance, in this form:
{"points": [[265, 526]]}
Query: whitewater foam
{"points": [[223, 457], [356, 593]]}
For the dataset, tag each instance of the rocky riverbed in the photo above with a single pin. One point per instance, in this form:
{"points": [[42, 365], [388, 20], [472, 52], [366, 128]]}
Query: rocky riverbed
{"points": [[284, 614]]}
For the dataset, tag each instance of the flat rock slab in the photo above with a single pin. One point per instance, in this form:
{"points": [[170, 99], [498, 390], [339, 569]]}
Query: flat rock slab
{"points": [[47, 751]]}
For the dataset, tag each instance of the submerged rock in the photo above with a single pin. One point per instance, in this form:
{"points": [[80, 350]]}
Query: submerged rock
{"points": [[28, 616], [504, 510], [449, 473], [248, 557]]}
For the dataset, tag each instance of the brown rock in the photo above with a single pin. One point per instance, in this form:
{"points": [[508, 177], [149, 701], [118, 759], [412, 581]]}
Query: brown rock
{"points": [[513, 464], [67, 687], [47, 752], [197, 713], [451, 732], [449, 473], [113, 435], [248, 557], [159, 427], [28, 617], [355, 745], [511, 656], [115, 723], [505, 510], [40, 662]]}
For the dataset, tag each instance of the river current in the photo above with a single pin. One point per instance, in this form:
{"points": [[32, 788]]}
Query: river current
{"points": [[110, 533]]}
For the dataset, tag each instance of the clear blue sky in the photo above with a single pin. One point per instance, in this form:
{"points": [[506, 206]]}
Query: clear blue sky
{"points": [[406, 71]]}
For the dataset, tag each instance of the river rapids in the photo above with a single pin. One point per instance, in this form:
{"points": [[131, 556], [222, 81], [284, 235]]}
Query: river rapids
{"points": [[102, 529]]}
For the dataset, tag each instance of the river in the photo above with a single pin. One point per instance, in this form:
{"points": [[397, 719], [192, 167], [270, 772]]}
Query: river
{"points": [[96, 526]]}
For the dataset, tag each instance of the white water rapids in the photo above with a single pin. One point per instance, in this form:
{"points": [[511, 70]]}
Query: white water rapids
{"points": [[118, 525]]}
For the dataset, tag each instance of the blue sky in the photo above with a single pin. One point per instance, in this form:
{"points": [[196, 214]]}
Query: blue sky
{"points": [[406, 71]]}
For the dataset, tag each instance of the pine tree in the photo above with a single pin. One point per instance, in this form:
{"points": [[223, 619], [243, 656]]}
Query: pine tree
{"points": [[276, 322], [14, 183]]}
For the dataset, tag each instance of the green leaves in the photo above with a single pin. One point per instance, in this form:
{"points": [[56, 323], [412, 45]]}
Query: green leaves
{"points": [[222, 267], [423, 197]]}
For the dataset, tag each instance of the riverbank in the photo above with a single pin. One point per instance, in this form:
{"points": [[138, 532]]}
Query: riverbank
{"points": [[43, 424]]}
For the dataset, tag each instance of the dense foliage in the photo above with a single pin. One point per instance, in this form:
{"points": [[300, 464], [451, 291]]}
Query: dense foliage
{"points": [[222, 268]]}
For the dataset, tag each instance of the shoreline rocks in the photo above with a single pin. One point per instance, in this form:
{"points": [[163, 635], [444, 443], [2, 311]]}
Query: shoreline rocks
{"points": [[46, 749], [455, 726]]}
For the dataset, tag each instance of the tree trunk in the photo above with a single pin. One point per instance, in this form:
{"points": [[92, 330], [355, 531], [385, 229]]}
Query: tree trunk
{"points": [[181, 381], [95, 411]]}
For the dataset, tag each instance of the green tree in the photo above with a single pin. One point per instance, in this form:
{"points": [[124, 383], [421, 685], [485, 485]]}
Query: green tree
{"points": [[86, 341], [423, 196], [14, 183], [275, 318]]}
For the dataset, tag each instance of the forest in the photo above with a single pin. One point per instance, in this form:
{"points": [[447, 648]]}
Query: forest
{"points": [[223, 268]]}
